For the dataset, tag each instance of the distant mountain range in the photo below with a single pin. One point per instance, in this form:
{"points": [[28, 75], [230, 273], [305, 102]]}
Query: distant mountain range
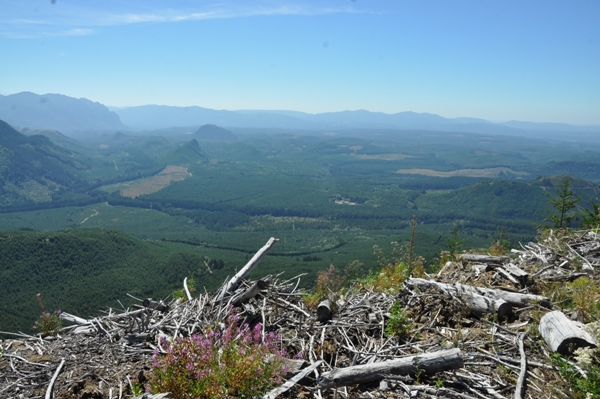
{"points": [[58, 112], [75, 116]]}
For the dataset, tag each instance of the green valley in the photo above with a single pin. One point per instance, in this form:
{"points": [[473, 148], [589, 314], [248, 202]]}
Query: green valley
{"points": [[138, 213]]}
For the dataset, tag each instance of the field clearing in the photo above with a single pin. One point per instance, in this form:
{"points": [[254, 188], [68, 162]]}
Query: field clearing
{"points": [[155, 183], [384, 157], [487, 172]]}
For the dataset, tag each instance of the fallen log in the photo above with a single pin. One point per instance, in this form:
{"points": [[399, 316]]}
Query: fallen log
{"points": [[477, 303], [564, 335], [514, 298], [73, 319], [519, 274], [149, 303], [427, 363], [480, 305], [235, 280], [250, 293], [488, 259]]}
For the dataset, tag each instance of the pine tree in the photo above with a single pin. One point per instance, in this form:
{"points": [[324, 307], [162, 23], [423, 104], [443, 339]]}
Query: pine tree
{"points": [[564, 201]]}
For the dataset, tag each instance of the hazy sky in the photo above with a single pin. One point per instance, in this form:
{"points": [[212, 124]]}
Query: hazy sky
{"points": [[498, 60]]}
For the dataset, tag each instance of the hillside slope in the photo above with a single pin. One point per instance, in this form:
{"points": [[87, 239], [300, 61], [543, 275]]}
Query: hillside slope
{"points": [[84, 270], [33, 168]]}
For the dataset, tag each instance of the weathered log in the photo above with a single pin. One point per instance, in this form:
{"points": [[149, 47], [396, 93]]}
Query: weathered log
{"points": [[427, 363], [73, 319], [477, 303], [497, 260], [508, 276], [514, 298], [481, 268], [250, 293], [324, 310], [480, 305], [149, 303], [235, 281], [564, 335], [521, 275], [87, 329]]}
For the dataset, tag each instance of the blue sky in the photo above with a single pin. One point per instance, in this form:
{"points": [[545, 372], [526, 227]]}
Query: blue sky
{"points": [[499, 60]]}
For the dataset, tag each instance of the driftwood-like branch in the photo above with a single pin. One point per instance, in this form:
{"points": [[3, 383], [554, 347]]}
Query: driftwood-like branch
{"points": [[427, 363], [523, 372], [53, 380], [235, 280], [562, 334], [187, 290], [488, 259], [292, 381]]}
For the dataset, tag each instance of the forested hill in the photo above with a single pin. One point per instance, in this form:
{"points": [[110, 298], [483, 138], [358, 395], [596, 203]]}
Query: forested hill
{"points": [[32, 168], [85, 270]]}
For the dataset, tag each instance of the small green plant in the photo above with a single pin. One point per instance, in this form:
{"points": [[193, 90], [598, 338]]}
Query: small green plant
{"points": [[586, 296], [137, 388], [454, 244], [328, 281], [418, 371], [399, 324], [590, 217], [439, 383], [564, 201], [180, 293], [237, 362], [48, 323], [500, 246], [587, 387]]}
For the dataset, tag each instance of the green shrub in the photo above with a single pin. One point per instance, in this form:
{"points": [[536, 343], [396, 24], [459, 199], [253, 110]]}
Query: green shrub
{"points": [[48, 323], [399, 324], [587, 387]]}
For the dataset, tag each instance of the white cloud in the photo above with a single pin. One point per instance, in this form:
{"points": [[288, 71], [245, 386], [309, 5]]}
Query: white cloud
{"points": [[76, 32], [80, 21]]}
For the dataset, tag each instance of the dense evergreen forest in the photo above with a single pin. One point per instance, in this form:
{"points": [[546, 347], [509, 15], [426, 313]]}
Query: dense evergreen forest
{"points": [[84, 223]]}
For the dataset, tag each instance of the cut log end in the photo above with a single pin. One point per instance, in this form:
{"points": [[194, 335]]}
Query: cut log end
{"points": [[563, 335], [324, 311]]}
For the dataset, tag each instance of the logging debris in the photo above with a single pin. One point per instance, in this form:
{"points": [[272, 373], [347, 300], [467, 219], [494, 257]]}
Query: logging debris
{"points": [[473, 333]]}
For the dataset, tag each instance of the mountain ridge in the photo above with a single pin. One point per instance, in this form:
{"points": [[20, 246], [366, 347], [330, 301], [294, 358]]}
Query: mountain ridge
{"points": [[77, 116], [57, 112]]}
